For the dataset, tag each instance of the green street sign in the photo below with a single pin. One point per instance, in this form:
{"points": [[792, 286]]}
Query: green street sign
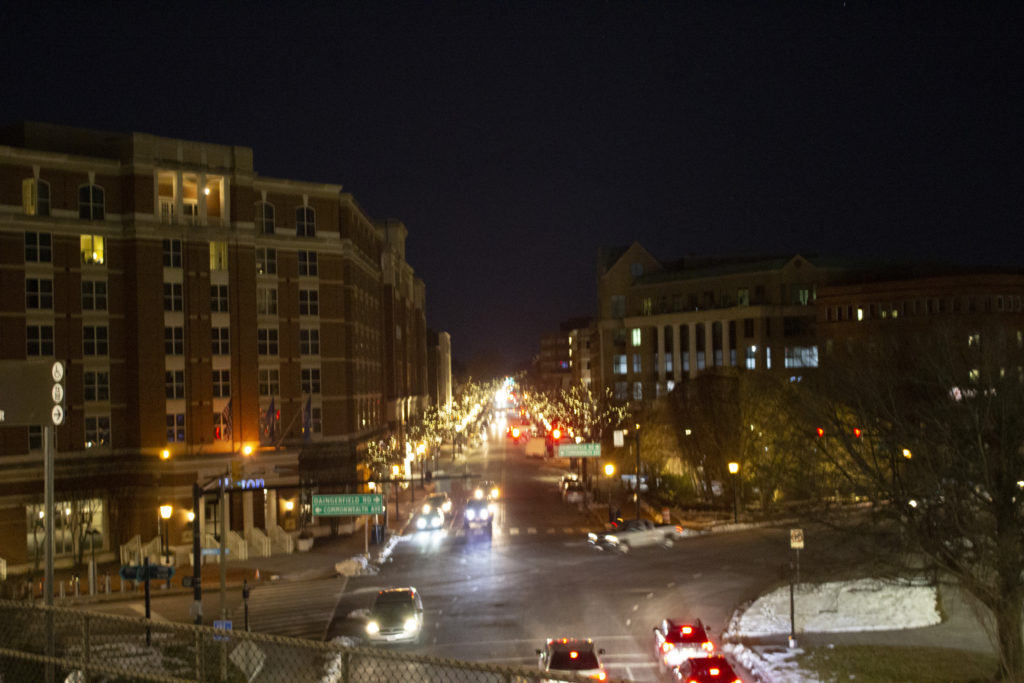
{"points": [[579, 450], [345, 504]]}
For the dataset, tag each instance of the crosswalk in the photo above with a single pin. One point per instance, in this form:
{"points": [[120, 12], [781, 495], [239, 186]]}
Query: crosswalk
{"points": [[534, 531], [300, 609]]}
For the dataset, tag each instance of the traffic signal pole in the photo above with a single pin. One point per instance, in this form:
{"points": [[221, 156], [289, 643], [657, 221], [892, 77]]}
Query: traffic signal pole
{"points": [[197, 587]]}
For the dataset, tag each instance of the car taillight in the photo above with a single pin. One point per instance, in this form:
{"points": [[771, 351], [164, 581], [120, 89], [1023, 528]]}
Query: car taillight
{"points": [[599, 676], [708, 646]]}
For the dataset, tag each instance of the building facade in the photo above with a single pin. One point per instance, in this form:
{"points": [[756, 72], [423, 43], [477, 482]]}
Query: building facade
{"points": [[214, 323]]}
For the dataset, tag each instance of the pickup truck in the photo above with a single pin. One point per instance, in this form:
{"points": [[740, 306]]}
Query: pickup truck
{"points": [[635, 533]]}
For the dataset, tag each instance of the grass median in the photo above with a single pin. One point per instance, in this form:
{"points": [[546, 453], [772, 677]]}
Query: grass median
{"points": [[873, 664]]}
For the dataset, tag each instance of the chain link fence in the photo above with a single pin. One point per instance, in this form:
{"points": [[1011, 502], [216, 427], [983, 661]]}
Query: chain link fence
{"points": [[62, 645]]}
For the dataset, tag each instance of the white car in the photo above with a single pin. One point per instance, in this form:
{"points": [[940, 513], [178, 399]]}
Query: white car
{"points": [[570, 656], [396, 616], [636, 533]]}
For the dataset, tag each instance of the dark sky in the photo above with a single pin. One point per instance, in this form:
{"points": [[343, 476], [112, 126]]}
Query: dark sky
{"points": [[516, 138]]}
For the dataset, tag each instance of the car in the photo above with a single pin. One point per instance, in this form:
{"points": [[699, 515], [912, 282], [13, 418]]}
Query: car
{"points": [[487, 490], [478, 515], [428, 519], [635, 533], [573, 492], [438, 500], [396, 616], [570, 656], [675, 641], [706, 670]]}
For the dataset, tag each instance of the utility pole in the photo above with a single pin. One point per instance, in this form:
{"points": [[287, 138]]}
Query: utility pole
{"points": [[637, 432]]}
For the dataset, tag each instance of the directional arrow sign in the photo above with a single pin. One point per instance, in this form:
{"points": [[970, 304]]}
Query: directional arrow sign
{"points": [[340, 505], [579, 450]]}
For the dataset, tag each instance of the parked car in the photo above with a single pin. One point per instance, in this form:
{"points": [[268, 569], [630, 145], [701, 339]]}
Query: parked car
{"points": [[570, 656], [636, 533], [706, 670], [676, 641], [396, 616], [574, 492]]}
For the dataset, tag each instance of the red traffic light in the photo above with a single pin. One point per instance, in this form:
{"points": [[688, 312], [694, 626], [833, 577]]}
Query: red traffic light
{"points": [[856, 432], [556, 433], [821, 432]]}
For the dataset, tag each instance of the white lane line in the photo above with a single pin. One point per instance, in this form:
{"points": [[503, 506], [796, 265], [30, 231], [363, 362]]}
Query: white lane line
{"points": [[514, 531], [551, 531], [531, 530]]}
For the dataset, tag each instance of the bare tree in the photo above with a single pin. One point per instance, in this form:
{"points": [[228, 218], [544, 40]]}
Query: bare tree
{"points": [[930, 431]]}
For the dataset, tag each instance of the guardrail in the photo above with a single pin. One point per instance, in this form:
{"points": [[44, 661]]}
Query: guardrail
{"points": [[58, 643]]}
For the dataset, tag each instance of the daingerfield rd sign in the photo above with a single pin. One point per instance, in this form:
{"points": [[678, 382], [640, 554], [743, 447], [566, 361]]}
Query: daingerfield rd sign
{"points": [[340, 505], [579, 450]]}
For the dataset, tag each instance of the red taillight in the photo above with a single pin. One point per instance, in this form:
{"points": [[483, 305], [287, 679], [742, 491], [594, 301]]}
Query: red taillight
{"points": [[686, 629], [599, 676], [708, 646], [574, 654], [714, 671], [515, 432]]}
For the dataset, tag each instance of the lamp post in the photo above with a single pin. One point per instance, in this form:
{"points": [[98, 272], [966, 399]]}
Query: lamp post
{"points": [[637, 432], [165, 515], [609, 471], [734, 469]]}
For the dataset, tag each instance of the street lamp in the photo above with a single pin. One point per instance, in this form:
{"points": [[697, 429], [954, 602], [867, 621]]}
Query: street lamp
{"points": [[165, 515], [734, 469], [609, 471]]}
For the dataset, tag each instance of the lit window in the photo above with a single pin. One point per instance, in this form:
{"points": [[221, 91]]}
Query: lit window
{"points": [[266, 301], [35, 197], [860, 314], [638, 391], [219, 256], [619, 364], [635, 336], [97, 431], [92, 248], [974, 375]]}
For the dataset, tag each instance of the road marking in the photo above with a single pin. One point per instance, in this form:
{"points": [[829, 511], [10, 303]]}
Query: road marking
{"points": [[636, 607], [670, 584], [514, 531], [568, 530], [531, 530], [551, 531], [650, 595]]}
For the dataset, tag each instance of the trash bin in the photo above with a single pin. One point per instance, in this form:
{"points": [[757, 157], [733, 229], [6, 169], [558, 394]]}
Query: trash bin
{"points": [[377, 533]]}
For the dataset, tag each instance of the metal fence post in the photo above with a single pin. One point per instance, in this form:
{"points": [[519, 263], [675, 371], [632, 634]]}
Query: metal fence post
{"points": [[85, 645]]}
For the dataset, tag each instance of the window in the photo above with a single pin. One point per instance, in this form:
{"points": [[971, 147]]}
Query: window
{"points": [[97, 385], [90, 202], [97, 431], [751, 363], [174, 341], [93, 249], [176, 427], [305, 222], [38, 248], [619, 336], [39, 294], [218, 298], [218, 256], [637, 365], [618, 303], [638, 391], [266, 342], [172, 296], [269, 381], [309, 342], [266, 261], [620, 390], [222, 383], [94, 340], [39, 340], [974, 340], [645, 306], [172, 253], [307, 263], [635, 336], [174, 383], [220, 345], [801, 357], [265, 218], [619, 364], [748, 327], [310, 380], [315, 420], [266, 300], [94, 295], [309, 302], [35, 197], [35, 438], [636, 269], [743, 297]]}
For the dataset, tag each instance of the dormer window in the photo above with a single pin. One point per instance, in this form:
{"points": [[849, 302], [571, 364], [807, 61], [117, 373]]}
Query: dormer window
{"points": [[35, 197], [305, 222], [90, 202], [265, 218]]}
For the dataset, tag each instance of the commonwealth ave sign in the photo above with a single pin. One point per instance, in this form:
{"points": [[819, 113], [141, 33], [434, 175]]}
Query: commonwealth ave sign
{"points": [[340, 505]]}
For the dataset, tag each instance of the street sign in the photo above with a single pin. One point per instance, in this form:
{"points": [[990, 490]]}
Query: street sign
{"points": [[137, 572], [340, 505], [579, 450], [224, 626], [796, 539], [215, 551], [26, 397]]}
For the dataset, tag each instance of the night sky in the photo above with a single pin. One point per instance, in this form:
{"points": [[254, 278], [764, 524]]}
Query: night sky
{"points": [[516, 138]]}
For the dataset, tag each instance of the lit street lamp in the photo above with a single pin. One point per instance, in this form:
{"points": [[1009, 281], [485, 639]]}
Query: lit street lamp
{"points": [[609, 471], [734, 469], [165, 515]]}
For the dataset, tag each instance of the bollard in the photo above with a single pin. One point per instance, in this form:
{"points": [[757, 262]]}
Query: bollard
{"points": [[61, 590], [122, 585], [75, 584], [106, 583]]}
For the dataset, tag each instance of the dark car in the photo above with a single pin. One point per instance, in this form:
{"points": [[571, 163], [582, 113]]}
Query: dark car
{"points": [[396, 616], [478, 515], [706, 670], [676, 641], [429, 519]]}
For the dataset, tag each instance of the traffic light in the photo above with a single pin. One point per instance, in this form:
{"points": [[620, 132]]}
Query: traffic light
{"points": [[821, 432], [856, 432], [556, 433]]}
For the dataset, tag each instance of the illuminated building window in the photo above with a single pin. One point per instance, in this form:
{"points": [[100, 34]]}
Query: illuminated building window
{"points": [[635, 336], [35, 197], [97, 431], [218, 256]]}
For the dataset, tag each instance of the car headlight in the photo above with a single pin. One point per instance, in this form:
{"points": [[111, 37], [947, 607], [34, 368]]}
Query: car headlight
{"points": [[426, 508], [483, 514], [611, 539], [674, 657], [410, 624], [494, 492], [447, 506], [421, 523], [591, 536], [470, 514], [372, 627]]}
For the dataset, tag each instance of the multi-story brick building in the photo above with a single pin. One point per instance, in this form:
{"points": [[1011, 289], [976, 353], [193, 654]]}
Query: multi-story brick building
{"points": [[202, 311]]}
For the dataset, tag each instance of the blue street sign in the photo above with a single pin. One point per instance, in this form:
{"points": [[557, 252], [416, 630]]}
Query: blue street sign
{"points": [[137, 572], [223, 625]]}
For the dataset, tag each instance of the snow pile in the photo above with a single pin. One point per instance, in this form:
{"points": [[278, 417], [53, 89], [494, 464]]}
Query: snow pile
{"points": [[862, 605], [361, 565]]}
